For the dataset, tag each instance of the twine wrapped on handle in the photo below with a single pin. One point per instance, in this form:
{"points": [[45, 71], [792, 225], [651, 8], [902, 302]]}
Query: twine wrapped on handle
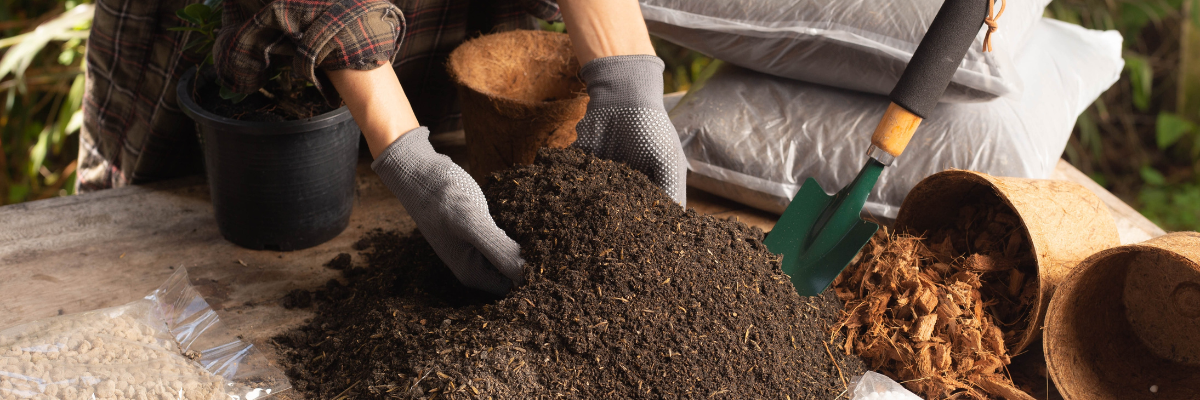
{"points": [[993, 26]]}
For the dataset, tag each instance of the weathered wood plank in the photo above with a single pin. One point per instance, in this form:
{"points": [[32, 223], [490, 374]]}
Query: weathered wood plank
{"points": [[104, 249]]}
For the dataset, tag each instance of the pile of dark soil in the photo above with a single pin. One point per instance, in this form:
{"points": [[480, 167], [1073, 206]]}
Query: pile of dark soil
{"points": [[941, 313], [628, 296]]}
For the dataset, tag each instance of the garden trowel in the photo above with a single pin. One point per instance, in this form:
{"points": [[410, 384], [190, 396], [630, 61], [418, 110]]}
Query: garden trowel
{"points": [[818, 234]]}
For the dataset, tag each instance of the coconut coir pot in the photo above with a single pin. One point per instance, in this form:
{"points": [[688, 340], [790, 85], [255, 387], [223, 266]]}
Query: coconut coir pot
{"points": [[1126, 323], [519, 91], [1063, 222]]}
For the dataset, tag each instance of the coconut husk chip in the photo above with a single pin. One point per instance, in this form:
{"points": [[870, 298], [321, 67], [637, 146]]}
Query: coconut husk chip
{"points": [[943, 303], [924, 326], [1052, 225]]}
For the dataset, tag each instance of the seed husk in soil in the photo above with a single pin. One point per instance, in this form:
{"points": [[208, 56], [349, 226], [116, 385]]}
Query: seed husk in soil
{"points": [[627, 296], [940, 313]]}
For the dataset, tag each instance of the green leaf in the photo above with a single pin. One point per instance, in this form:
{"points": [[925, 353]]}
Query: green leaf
{"points": [[1141, 79], [70, 116], [199, 11], [69, 185], [17, 193], [1195, 17], [185, 29], [67, 57], [208, 60], [232, 96], [1135, 15], [1152, 177], [75, 123], [551, 26], [1175, 207], [698, 66], [70, 50], [198, 42], [1170, 128], [37, 153], [184, 16], [1099, 179]]}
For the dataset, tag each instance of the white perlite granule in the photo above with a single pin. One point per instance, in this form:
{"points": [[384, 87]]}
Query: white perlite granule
{"points": [[105, 354]]}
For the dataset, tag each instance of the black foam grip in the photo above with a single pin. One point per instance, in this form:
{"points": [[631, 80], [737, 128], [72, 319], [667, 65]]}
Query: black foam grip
{"points": [[938, 55]]}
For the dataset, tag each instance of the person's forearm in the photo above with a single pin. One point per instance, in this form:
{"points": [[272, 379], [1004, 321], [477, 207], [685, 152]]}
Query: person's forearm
{"points": [[378, 104], [603, 28]]}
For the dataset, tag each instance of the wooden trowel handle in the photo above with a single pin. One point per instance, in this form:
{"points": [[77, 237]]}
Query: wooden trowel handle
{"points": [[929, 72]]}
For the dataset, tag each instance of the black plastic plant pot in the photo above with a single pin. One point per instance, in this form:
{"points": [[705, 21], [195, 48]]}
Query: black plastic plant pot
{"points": [[277, 185]]}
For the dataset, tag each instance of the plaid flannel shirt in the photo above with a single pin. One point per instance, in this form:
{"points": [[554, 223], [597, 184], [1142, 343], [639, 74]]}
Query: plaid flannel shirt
{"points": [[134, 132]]}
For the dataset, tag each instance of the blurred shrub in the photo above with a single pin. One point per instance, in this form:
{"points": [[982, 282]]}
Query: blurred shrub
{"points": [[1140, 139], [42, 84]]}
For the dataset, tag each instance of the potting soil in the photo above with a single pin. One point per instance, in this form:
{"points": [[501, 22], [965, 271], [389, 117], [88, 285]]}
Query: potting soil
{"points": [[940, 313], [627, 296], [295, 102]]}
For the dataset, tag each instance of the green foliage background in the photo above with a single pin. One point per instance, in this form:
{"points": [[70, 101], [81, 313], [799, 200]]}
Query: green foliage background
{"points": [[1141, 139], [41, 84]]}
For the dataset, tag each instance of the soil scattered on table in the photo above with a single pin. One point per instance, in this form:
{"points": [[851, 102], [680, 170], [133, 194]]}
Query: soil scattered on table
{"points": [[628, 296], [342, 261], [941, 314]]}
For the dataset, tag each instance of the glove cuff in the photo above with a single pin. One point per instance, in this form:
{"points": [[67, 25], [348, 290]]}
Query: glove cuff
{"points": [[624, 81], [411, 146], [403, 162]]}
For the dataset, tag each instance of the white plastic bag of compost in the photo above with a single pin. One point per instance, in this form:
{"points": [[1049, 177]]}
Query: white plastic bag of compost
{"points": [[168, 345], [861, 45], [875, 386], [755, 138]]}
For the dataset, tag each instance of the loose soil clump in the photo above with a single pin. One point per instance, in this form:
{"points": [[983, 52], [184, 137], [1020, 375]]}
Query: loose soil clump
{"points": [[627, 296], [940, 314]]}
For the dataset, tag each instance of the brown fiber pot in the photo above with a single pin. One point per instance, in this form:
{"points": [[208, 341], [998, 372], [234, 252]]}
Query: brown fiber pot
{"points": [[1128, 319], [1064, 222], [520, 91]]}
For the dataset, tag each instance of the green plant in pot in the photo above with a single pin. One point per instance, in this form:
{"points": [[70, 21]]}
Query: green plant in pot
{"points": [[280, 161]]}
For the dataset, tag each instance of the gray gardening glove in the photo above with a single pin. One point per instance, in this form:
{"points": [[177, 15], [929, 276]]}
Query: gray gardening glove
{"points": [[451, 212], [627, 122]]}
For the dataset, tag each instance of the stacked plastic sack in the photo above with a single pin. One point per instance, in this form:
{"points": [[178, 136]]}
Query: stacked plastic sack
{"points": [[805, 82]]}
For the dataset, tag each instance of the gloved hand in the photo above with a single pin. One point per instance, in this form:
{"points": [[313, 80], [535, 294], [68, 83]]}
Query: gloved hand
{"points": [[451, 212], [627, 122]]}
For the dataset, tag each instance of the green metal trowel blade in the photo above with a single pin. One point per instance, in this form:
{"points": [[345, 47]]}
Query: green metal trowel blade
{"points": [[819, 234]]}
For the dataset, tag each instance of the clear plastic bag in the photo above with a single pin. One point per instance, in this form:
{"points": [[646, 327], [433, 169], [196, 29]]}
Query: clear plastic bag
{"points": [[755, 138], [875, 386], [168, 345], [861, 45]]}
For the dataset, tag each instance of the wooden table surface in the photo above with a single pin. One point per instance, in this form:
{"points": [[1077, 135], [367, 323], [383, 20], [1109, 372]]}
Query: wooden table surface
{"points": [[103, 249]]}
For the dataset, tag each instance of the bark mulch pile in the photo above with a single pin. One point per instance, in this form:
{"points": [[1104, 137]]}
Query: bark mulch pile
{"points": [[628, 296], [940, 313]]}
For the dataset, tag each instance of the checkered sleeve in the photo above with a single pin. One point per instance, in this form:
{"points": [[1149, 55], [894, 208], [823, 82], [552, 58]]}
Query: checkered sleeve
{"points": [[544, 9], [314, 34]]}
